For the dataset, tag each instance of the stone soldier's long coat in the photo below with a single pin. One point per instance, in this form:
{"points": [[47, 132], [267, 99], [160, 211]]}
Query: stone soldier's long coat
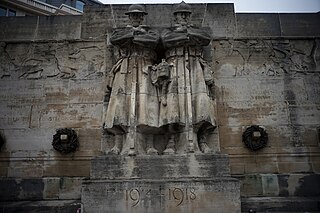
{"points": [[190, 75], [136, 50]]}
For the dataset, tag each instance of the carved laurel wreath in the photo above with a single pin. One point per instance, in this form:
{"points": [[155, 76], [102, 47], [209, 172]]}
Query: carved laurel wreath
{"points": [[71, 143], [252, 142]]}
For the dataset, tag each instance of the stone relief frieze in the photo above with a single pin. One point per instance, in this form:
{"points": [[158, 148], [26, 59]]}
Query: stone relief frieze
{"points": [[268, 57], [52, 60]]}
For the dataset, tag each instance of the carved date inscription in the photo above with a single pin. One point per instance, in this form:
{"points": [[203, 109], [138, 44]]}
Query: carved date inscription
{"points": [[175, 194]]}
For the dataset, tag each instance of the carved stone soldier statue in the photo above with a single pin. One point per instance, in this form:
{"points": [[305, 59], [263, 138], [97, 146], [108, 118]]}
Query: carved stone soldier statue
{"points": [[130, 109], [190, 91]]}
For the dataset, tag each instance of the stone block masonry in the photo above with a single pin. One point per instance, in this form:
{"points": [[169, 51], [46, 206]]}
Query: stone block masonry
{"points": [[266, 72], [175, 183]]}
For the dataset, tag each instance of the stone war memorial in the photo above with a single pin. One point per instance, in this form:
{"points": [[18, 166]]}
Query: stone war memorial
{"points": [[160, 108]]}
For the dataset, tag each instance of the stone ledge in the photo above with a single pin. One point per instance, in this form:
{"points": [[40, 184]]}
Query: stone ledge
{"points": [[172, 180], [281, 204], [160, 166], [61, 206]]}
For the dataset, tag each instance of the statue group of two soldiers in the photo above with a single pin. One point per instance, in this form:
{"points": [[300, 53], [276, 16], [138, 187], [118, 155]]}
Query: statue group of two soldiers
{"points": [[172, 99]]}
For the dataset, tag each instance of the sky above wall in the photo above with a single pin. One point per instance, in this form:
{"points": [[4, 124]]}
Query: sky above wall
{"points": [[252, 6]]}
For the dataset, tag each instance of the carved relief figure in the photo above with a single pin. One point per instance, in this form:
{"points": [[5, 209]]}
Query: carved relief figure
{"points": [[132, 94], [189, 99]]}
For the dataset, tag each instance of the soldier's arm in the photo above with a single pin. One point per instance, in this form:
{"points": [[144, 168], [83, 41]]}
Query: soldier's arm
{"points": [[146, 38], [172, 38], [121, 36], [199, 36]]}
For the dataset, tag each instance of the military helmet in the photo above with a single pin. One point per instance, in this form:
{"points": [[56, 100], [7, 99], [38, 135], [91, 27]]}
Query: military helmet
{"points": [[182, 8], [136, 8]]}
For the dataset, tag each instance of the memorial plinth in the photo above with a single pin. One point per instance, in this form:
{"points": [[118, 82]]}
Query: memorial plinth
{"points": [[174, 183], [167, 109]]}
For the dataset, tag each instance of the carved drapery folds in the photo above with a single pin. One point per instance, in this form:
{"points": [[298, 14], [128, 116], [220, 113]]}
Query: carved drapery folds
{"points": [[173, 99], [131, 92]]}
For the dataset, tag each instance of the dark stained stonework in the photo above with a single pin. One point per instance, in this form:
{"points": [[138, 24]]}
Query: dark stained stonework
{"points": [[62, 206], [2, 140], [309, 186]]}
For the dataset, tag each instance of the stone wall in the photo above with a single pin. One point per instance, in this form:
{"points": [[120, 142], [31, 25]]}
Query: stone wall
{"points": [[52, 75], [46, 86], [275, 84]]}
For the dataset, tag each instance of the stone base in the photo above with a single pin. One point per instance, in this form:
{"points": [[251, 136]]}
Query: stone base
{"points": [[180, 195], [161, 183]]}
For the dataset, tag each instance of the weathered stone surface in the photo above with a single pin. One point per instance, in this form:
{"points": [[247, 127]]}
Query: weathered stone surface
{"points": [[253, 25], [14, 116], [270, 185], [21, 92], [47, 26], [183, 195], [159, 167], [62, 206], [280, 204], [70, 168], [270, 79], [295, 24], [34, 139], [99, 20], [274, 185], [154, 183], [60, 188], [30, 189], [251, 185], [67, 115], [309, 186], [52, 60], [270, 83], [31, 28], [221, 19]]}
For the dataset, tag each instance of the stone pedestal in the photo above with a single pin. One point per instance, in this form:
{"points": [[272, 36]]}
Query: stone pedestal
{"points": [[174, 183]]}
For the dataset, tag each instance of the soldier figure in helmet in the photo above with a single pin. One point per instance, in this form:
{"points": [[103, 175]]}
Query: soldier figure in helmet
{"points": [[190, 91], [129, 112]]}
